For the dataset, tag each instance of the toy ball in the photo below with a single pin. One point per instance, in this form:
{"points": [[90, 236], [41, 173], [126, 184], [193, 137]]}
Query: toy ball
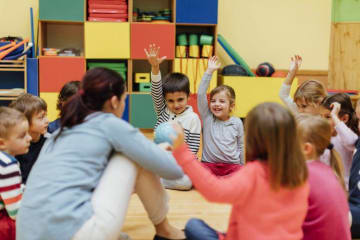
{"points": [[265, 69], [163, 133]]}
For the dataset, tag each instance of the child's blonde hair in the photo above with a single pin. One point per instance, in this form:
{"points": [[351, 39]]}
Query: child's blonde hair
{"points": [[29, 105], [230, 93], [9, 118], [271, 137], [317, 131], [311, 91]]}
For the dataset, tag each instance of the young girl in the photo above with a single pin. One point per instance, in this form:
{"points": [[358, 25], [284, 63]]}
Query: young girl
{"points": [[223, 144], [67, 91], [74, 191], [269, 194], [308, 95], [327, 217], [338, 110]]}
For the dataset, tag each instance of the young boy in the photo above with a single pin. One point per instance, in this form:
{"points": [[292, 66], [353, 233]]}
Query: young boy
{"points": [[14, 140], [170, 98], [35, 110]]}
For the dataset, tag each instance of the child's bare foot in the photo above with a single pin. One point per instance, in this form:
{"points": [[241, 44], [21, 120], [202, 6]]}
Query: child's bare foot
{"points": [[165, 230]]}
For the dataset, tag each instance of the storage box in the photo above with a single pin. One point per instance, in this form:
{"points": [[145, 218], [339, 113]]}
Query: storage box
{"points": [[142, 77], [145, 87]]}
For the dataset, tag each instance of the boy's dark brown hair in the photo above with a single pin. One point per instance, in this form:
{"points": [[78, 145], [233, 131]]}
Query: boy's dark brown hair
{"points": [[67, 91], [176, 82], [271, 137], [29, 105], [9, 118]]}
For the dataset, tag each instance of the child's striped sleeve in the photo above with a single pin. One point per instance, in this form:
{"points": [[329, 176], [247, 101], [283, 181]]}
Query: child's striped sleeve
{"points": [[10, 185]]}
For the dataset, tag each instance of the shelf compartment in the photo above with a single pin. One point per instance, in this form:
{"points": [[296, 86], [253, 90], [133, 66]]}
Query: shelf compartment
{"points": [[64, 10], [55, 72], [61, 35], [142, 35], [107, 40]]}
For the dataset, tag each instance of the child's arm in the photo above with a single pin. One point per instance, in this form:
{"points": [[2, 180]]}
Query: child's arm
{"points": [[156, 85], [193, 138], [10, 188], [347, 136], [284, 92], [132, 143], [241, 143], [203, 106], [232, 189]]}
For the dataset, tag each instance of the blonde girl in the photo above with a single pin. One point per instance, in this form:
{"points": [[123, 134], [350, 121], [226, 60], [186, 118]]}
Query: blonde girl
{"points": [[308, 95], [327, 216]]}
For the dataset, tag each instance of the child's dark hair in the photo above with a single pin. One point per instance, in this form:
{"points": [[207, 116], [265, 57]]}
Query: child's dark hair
{"points": [[229, 92], [29, 105], [98, 86], [176, 82], [67, 91], [346, 108], [271, 137]]}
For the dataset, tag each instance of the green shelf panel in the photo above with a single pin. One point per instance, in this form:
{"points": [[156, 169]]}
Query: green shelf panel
{"points": [[345, 11], [142, 113], [62, 10]]}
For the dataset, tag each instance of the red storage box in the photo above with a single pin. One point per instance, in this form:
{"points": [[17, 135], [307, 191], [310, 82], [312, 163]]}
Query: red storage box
{"points": [[92, 19], [107, 6], [117, 11], [108, 15]]}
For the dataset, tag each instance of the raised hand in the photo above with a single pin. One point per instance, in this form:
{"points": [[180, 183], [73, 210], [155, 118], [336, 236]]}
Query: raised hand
{"points": [[295, 63], [213, 65], [152, 55], [335, 109]]}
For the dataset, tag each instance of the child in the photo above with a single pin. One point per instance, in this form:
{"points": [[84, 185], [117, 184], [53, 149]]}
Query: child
{"points": [[170, 98], [34, 108], [223, 149], [269, 195], [14, 140], [338, 110], [77, 190], [308, 95], [67, 91], [327, 217], [354, 193]]}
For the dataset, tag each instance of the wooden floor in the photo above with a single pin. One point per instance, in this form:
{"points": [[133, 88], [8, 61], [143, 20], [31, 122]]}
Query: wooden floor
{"points": [[183, 206]]}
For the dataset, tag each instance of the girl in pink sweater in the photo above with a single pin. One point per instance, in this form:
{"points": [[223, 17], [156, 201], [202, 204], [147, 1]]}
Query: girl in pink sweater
{"points": [[327, 217], [269, 194], [339, 112]]}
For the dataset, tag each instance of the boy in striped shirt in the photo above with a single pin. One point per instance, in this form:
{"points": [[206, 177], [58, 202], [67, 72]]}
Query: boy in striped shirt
{"points": [[14, 140], [170, 98]]}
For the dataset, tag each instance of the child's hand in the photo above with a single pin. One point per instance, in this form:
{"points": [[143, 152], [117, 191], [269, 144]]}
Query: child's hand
{"points": [[178, 140], [295, 63], [335, 109], [152, 55], [213, 65]]}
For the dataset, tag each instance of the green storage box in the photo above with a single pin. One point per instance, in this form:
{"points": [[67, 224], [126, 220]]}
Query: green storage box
{"points": [[145, 87]]}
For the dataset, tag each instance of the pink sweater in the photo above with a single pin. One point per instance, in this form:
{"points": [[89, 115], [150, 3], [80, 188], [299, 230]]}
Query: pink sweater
{"points": [[327, 217], [258, 211]]}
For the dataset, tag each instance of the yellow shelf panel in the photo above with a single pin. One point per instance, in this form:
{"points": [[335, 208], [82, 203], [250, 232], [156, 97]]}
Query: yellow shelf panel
{"points": [[251, 91], [107, 40]]}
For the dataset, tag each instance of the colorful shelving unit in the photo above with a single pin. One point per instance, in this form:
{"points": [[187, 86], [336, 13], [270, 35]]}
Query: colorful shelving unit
{"points": [[64, 24]]}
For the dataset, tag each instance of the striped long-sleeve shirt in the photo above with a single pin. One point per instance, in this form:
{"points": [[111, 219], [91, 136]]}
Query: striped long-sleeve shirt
{"points": [[10, 184], [188, 119]]}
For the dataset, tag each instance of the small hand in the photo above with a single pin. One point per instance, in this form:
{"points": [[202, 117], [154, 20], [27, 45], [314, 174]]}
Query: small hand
{"points": [[152, 55], [213, 64], [295, 63], [178, 140], [335, 109]]}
